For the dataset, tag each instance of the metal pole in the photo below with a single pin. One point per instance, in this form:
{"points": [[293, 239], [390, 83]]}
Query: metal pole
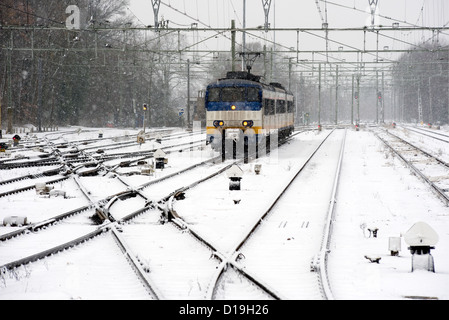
{"points": [[352, 101], [393, 99], [144, 111], [39, 95], [156, 5], [1, 118], [358, 100], [188, 93], [10, 107], [149, 98], [233, 44], [382, 106], [266, 7], [290, 74], [265, 65], [319, 94], [244, 35], [336, 97], [296, 102], [377, 96]]}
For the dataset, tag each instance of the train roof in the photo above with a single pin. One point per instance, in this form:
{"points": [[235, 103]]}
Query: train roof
{"points": [[245, 78]]}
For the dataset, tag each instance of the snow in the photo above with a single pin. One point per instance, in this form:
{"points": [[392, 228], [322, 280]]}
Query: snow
{"points": [[376, 190]]}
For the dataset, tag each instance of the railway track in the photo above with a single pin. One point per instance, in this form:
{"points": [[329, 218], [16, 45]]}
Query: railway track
{"points": [[169, 255], [133, 213], [85, 232], [232, 257], [94, 269], [429, 133], [430, 168]]}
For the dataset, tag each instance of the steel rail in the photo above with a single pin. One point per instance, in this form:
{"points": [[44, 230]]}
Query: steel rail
{"points": [[27, 188], [429, 135], [105, 227], [56, 249], [47, 173], [440, 193], [39, 225], [135, 264], [248, 235], [232, 261], [420, 150], [174, 218], [109, 226], [327, 233]]}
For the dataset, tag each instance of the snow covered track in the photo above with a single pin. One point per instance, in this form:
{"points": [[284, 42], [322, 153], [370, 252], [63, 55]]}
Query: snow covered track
{"points": [[52, 250], [23, 250], [141, 273], [44, 224], [321, 265], [295, 264], [429, 133], [95, 269], [246, 258], [293, 230], [430, 168]]}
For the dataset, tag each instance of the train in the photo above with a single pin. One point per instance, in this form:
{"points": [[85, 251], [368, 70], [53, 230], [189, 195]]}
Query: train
{"points": [[246, 112]]}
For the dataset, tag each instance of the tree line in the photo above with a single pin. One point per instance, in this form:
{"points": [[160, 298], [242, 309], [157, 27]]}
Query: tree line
{"points": [[102, 73], [87, 76], [421, 82]]}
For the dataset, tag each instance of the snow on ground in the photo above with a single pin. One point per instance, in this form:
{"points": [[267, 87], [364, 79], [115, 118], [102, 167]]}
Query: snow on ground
{"points": [[376, 189], [77, 274]]}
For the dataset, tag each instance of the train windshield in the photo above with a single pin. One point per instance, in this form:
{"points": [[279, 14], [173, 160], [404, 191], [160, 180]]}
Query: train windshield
{"points": [[214, 95], [234, 94], [253, 95]]}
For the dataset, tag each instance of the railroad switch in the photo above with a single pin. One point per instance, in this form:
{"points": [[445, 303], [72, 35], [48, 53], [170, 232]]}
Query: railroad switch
{"points": [[100, 215]]}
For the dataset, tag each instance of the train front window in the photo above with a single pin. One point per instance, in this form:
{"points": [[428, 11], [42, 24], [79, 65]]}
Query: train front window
{"points": [[214, 95], [253, 95], [233, 94]]}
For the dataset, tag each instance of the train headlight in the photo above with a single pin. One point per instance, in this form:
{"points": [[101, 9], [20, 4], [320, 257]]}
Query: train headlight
{"points": [[233, 107], [248, 123], [218, 123]]}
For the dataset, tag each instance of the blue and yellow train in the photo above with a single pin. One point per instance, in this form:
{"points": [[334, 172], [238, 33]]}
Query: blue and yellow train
{"points": [[241, 108]]}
